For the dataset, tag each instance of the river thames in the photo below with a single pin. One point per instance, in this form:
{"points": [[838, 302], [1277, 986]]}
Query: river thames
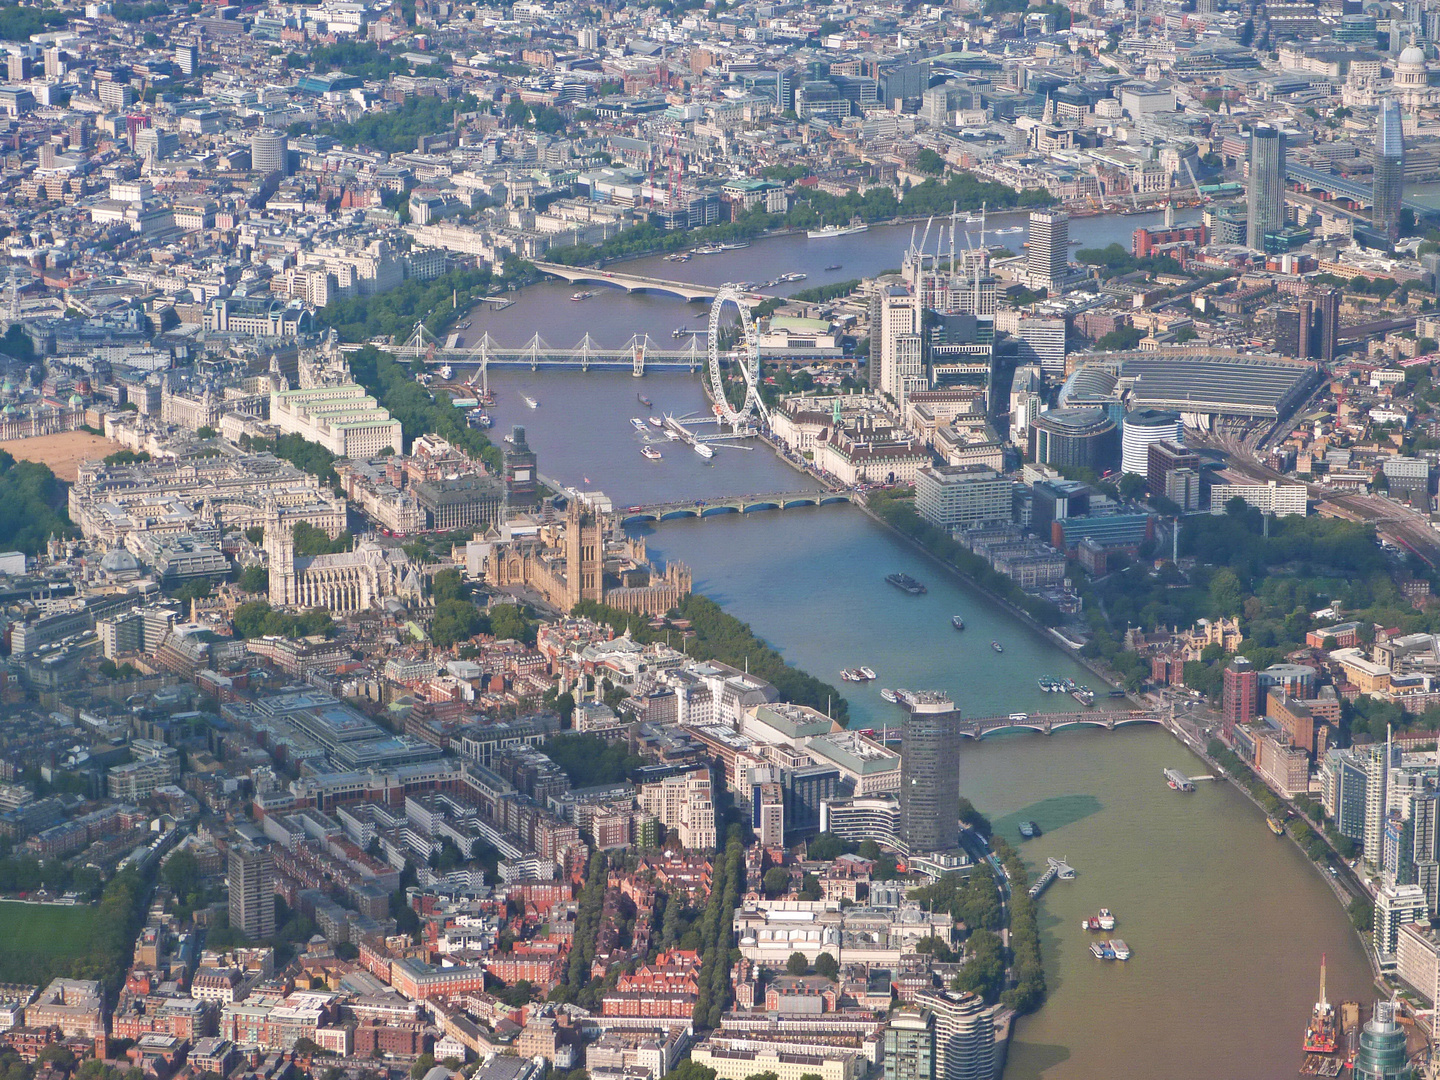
{"points": [[612, 316], [1227, 922]]}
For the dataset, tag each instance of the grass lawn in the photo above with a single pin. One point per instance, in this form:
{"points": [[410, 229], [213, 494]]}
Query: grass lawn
{"points": [[41, 940]]}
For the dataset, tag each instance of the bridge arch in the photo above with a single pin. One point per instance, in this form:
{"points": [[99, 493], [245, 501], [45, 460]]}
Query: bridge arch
{"points": [[762, 506], [669, 515], [1037, 729], [714, 511], [1137, 720], [1078, 722]]}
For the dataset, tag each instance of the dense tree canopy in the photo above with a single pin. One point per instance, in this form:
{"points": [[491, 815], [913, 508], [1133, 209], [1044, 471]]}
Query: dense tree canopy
{"points": [[32, 506], [259, 619]]}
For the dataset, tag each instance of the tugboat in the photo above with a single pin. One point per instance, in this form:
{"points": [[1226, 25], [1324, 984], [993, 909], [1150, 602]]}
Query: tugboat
{"points": [[1091, 924], [650, 452], [997, 646], [1320, 1035], [905, 583], [644, 400], [957, 622], [834, 266], [1274, 826]]}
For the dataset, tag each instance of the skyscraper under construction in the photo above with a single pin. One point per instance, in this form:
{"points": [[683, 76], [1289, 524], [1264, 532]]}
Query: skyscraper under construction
{"points": [[1389, 170]]}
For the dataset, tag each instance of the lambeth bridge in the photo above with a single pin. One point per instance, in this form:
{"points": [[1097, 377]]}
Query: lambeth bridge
{"points": [[734, 504]]}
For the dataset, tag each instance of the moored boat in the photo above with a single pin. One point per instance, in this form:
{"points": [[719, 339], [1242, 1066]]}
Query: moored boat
{"points": [[835, 266], [867, 674], [704, 451], [889, 695], [1119, 949], [1106, 918], [905, 583], [1028, 829], [637, 423], [655, 422], [650, 452], [644, 400], [1274, 826]]}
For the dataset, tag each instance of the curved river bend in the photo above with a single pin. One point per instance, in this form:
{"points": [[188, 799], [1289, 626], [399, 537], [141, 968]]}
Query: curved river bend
{"points": [[1227, 922]]}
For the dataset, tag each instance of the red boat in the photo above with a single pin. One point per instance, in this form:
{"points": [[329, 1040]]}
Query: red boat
{"points": [[1320, 1037]]}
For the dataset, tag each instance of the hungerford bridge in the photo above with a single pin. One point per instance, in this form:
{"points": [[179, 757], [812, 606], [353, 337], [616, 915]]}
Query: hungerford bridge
{"points": [[636, 355]]}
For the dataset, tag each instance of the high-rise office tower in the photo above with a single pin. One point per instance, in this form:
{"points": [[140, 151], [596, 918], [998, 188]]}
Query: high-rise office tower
{"points": [[1049, 249], [187, 58], [785, 78], [1329, 324], [1389, 170], [252, 890], [1266, 206], [930, 774], [269, 153]]}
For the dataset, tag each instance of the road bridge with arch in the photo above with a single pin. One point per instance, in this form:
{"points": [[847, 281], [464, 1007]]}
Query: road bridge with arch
{"points": [[734, 504], [1050, 723], [629, 282]]}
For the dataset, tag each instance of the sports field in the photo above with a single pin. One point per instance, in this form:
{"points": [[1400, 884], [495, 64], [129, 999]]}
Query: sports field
{"points": [[41, 940]]}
